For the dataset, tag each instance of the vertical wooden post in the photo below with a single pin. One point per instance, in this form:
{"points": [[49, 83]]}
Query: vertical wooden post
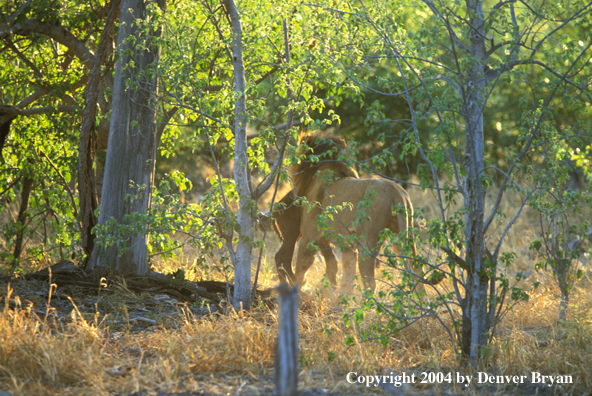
{"points": [[286, 353]]}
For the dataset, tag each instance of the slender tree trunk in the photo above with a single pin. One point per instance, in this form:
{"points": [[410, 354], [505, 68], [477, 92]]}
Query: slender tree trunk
{"points": [[87, 190], [129, 166], [563, 304], [561, 268], [475, 205], [286, 351], [246, 215], [101, 148], [22, 218]]}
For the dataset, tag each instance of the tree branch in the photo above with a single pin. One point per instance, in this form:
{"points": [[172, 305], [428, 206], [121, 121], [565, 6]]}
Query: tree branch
{"points": [[574, 244], [9, 20], [22, 56], [9, 111], [525, 3], [492, 74], [451, 32], [66, 187], [510, 224], [456, 258], [167, 118], [577, 14], [533, 133], [58, 33], [268, 181]]}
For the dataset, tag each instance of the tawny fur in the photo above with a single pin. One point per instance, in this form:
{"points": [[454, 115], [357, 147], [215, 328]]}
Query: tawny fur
{"points": [[287, 220], [310, 182]]}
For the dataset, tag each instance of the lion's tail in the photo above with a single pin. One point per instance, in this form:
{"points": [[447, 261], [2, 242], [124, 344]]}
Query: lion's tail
{"points": [[403, 222], [410, 233]]}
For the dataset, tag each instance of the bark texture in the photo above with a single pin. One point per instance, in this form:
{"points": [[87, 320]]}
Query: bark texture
{"points": [[21, 221], [246, 217], [475, 304], [87, 188], [4, 130], [286, 353], [129, 165]]}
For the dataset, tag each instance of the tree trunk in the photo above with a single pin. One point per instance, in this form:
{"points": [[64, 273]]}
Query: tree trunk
{"points": [[477, 285], [5, 120], [286, 352], [246, 215], [129, 166], [87, 189], [22, 219], [563, 304], [560, 267]]}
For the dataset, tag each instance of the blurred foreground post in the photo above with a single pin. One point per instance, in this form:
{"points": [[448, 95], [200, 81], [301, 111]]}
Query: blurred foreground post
{"points": [[286, 353]]}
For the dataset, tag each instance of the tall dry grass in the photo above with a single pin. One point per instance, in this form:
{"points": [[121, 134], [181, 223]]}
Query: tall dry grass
{"points": [[221, 353], [233, 353]]}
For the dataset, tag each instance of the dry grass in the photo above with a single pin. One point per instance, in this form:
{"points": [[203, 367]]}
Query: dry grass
{"points": [[233, 353], [215, 354]]}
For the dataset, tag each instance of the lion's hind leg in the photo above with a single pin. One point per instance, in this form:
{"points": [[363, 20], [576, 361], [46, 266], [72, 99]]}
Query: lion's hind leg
{"points": [[367, 266], [304, 260], [349, 261], [330, 261]]}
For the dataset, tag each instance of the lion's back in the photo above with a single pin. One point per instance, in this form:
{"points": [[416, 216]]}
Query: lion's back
{"points": [[384, 195]]}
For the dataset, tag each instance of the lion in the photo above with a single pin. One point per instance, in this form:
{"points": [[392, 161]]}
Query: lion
{"points": [[286, 222], [389, 208]]}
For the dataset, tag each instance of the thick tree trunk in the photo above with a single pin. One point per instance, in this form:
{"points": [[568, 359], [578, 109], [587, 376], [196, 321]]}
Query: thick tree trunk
{"points": [[129, 167], [476, 309], [5, 120], [87, 189], [246, 216]]}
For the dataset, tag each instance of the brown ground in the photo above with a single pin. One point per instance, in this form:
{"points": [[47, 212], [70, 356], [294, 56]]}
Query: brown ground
{"points": [[119, 341]]}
